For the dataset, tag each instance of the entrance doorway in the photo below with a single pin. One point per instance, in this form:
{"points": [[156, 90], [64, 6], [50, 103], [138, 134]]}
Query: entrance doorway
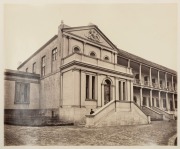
{"points": [[107, 91]]}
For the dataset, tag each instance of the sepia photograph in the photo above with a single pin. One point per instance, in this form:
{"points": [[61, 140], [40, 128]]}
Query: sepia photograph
{"points": [[90, 74]]}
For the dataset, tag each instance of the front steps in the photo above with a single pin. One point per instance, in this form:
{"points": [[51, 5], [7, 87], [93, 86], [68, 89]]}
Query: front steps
{"points": [[157, 114], [117, 113], [167, 116]]}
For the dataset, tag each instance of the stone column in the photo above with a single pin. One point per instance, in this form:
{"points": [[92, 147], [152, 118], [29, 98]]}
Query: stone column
{"points": [[150, 98], [117, 89], [167, 102], [96, 87], [166, 80], [111, 57], [150, 78], [131, 85], [99, 90], [69, 46], [129, 61], [140, 73], [84, 46], [90, 86], [61, 90], [83, 88], [158, 80], [102, 94], [141, 98], [64, 47], [101, 53], [159, 97], [172, 86], [173, 101], [115, 58], [122, 90]]}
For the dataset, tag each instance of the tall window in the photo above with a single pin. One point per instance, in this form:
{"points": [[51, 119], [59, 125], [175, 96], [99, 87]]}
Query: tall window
{"points": [[90, 87], [26, 69], [149, 102], [176, 103], [43, 66], [22, 92], [87, 86], [124, 93], [144, 101], [93, 87], [164, 103], [34, 68], [157, 102], [120, 90], [54, 54], [152, 102]]}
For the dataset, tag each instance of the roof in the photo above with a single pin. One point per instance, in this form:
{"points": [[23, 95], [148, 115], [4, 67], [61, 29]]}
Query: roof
{"points": [[41, 48], [147, 62]]}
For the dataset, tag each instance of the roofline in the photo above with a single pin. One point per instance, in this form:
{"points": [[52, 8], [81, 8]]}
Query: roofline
{"points": [[78, 27], [41, 48], [149, 62]]}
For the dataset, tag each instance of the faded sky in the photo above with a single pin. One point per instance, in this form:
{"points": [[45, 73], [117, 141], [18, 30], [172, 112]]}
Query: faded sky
{"points": [[146, 30]]}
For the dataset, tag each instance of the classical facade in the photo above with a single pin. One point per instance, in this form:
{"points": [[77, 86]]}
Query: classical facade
{"points": [[80, 69]]}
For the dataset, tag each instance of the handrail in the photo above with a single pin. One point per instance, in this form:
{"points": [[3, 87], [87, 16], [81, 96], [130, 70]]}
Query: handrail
{"points": [[162, 110], [152, 110]]}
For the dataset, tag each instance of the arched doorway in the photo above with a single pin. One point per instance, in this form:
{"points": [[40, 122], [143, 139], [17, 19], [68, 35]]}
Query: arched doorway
{"points": [[107, 91]]}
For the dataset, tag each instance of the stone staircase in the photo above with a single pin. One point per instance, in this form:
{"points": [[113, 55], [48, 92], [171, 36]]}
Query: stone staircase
{"points": [[117, 113], [167, 116], [155, 116]]}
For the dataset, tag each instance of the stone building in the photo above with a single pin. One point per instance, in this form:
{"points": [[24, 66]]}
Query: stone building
{"points": [[80, 69]]}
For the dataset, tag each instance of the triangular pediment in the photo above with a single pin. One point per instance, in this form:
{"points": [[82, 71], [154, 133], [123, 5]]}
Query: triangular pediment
{"points": [[91, 33]]}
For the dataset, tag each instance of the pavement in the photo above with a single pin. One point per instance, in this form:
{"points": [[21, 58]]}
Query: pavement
{"points": [[157, 133]]}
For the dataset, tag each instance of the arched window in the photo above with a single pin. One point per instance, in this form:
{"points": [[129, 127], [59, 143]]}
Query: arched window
{"points": [[76, 49], [108, 82], [106, 58], [92, 54]]}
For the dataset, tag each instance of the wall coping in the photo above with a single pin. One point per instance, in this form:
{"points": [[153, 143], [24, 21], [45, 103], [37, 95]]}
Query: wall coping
{"points": [[22, 74]]}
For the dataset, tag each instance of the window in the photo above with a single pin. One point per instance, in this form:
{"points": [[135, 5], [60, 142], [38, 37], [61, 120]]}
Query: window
{"points": [[22, 92], [87, 86], [34, 68], [92, 54], [54, 54], [176, 104], [164, 103], [152, 102], [26, 69], [153, 80], [106, 58], [120, 90], [76, 49], [90, 87], [43, 66], [93, 87], [144, 101], [124, 94], [149, 102], [157, 102]]}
